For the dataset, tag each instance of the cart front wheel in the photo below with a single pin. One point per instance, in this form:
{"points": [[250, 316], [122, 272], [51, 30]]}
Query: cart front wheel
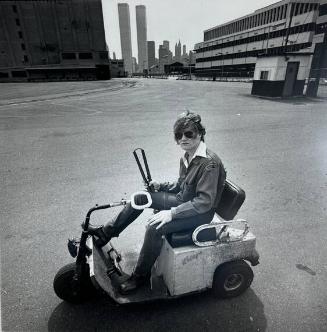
{"points": [[66, 289], [232, 279]]}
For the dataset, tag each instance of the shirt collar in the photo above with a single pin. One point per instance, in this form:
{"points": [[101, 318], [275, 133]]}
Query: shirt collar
{"points": [[201, 151]]}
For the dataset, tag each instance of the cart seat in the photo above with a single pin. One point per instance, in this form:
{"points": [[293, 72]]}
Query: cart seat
{"points": [[231, 200]]}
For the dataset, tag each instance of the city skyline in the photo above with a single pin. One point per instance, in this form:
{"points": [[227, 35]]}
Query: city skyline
{"points": [[184, 23]]}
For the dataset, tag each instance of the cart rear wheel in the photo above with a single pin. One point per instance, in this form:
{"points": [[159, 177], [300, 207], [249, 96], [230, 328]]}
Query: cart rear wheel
{"points": [[232, 279], [65, 289]]}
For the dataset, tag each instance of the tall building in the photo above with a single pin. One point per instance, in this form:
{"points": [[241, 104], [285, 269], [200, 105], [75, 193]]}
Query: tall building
{"points": [[39, 41], [165, 44], [178, 51], [191, 58], [135, 67], [141, 37], [184, 50], [286, 26], [164, 58], [151, 54], [125, 36]]}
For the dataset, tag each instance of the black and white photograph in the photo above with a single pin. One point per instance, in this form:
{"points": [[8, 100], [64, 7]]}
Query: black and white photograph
{"points": [[163, 165]]}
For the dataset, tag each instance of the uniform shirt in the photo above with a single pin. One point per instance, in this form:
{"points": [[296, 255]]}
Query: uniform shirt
{"points": [[200, 184]]}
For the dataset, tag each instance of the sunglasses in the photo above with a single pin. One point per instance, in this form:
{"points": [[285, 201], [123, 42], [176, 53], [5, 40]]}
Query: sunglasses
{"points": [[187, 134]]}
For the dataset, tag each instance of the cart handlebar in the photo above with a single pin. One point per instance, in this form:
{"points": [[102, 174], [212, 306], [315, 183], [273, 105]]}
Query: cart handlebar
{"points": [[146, 178]]}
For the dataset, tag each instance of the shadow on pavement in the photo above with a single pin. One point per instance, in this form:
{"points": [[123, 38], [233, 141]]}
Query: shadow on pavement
{"points": [[201, 312]]}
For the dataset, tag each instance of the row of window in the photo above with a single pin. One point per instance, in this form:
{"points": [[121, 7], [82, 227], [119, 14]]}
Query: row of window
{"points": [[72, 56], [20, 35], [269, 16], [119, 63], [255, 53], [83, 55], [264, 36]]}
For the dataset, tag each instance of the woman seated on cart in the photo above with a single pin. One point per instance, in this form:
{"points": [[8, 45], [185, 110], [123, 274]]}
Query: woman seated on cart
{"points": [[184, 205]]}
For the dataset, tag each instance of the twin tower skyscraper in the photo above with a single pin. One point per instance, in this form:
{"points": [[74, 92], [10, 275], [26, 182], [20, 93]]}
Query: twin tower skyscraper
{"points": [[126, 40]]}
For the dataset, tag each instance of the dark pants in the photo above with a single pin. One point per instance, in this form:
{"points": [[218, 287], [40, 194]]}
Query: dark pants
{"points": [[153, 237]]}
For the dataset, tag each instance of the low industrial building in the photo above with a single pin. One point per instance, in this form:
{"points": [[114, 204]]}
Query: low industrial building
{"points": [[282, 30], [52, 40], [117, 68]]}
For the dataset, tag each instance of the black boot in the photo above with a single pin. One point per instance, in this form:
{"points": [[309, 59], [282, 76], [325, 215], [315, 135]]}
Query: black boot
{"points": [[125, 217], [132, 283], [103, 233], [113, 228]]}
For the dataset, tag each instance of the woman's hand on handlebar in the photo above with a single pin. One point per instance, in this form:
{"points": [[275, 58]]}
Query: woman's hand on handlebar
{"points": [[155, 185]]}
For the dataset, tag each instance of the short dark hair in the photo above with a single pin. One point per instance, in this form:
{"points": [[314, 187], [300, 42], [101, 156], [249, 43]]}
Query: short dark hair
{"points": [[189, 120]]}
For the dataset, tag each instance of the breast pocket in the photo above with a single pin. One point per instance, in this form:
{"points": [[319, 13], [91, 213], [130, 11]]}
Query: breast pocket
{"points": [[188, 192]]}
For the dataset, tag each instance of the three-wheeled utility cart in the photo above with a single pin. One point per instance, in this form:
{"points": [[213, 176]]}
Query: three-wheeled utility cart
{"points": [[215, 256]]}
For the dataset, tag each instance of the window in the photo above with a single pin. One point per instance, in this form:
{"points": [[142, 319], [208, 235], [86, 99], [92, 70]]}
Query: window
{"points": [[18, 73], [284, 11], [20, 34], [103, 55], [17, 22], [279, 13], [3, 74], [264, 75], [23, 47], [14, 8], [85, 55], [68, 56], [296, 9], [25, 58], [323, 10], [275, 14]]}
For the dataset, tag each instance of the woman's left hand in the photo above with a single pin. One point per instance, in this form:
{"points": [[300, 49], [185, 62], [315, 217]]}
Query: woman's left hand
{"points": [[163, 217]]}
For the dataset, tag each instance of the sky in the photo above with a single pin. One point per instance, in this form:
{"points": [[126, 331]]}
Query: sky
{"points": [[175, 20]]}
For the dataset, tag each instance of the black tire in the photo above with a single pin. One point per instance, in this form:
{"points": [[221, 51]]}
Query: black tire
{"points": [[232, 279], [63, 285]]}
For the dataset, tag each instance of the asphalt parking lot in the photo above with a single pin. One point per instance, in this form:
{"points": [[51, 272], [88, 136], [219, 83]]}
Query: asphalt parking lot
{"points": [[68, 145]]}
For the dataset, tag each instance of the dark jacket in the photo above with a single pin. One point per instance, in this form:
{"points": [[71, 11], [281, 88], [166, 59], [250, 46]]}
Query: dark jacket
{"points": [[199, 186]]}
